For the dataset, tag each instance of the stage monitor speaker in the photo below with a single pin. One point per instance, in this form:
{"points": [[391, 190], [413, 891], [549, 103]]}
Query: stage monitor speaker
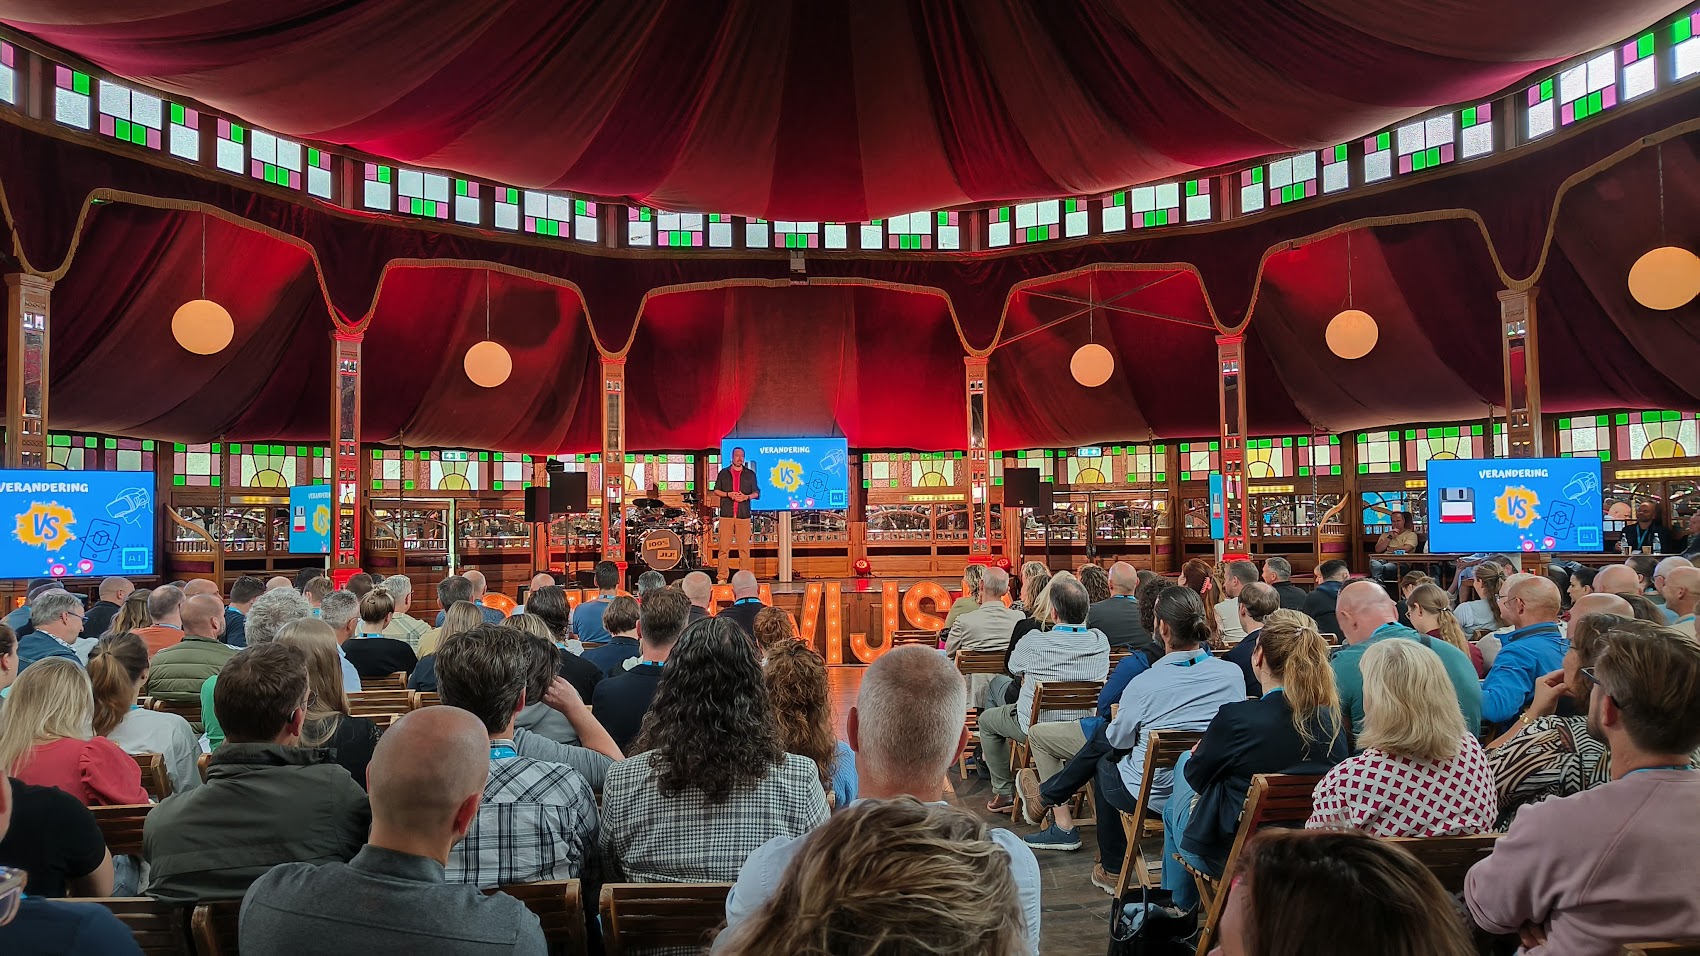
{"points": [[569, 493], [537, 505], [1023, 489]]}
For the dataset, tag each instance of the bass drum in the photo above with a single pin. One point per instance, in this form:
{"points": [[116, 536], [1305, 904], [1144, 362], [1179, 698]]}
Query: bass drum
{"points": [[661, 550]]}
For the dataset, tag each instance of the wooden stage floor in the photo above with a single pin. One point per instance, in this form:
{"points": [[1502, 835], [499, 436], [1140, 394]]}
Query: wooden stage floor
{"points": [[1076, 913]]}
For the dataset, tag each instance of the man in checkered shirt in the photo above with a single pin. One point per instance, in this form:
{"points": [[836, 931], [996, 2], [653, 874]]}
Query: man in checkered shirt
{"points": [[539, 819]]}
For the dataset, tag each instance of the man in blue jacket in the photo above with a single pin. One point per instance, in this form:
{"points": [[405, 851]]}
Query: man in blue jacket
{"points": [[1535, 648]]}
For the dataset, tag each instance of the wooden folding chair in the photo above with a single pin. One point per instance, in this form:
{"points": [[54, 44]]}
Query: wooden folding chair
{"points": [[1162, 749], [1449, 858], [154, 778], [979, 662], [423, 698], [376, 703], [1274, 800], [396, 681], [1117, 655], [1675, 947], [966, 757], [636, 916], [558, 905], [1057, 695], [215, 928], [160, 928], [202, 763], [925, 638], [121, 826], [189, 710]]}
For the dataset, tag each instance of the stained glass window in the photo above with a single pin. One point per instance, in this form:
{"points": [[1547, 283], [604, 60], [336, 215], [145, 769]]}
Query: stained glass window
{"points": [[1269, 457], [198, 466], [419, 193], [72, 452], [1585, 436], [756, 233], [72, 96], [1640, 72], [1378, 157], [1685, 49], [129, 454], [1379, 507], [1319, 456], [131, 115], [1199, 459], [936, 469], [507, 208], [1643, 436], [1043, 459], [1477, 124], [949, 230], [1427, 143], [266, 466], [8, 72], [1285, 180], [380, 186], [1378, 453], [388, 472], [453, 471], [1577, 93], [803, 235], [274, 159], [912, 231], [657, 227], [509, 471], [1148, 464], [661, 472], [1030, 222], [1143, 207], [232, 151], [1444, 441], [1336, 171], [546, 214], [466, 202], [1088, 466]]}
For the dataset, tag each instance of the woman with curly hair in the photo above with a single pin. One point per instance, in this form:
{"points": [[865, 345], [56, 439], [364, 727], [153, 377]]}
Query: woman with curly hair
{"points": [[773, 630], [710, 780], [889, 878], [802, 705], [1097, 582]]}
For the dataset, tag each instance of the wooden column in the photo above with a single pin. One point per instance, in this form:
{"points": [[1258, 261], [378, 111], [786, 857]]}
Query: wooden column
{"points": [[613, 460], [979, 465], [1520, 355], [345, 454], [27, 300], [1236, 504]]}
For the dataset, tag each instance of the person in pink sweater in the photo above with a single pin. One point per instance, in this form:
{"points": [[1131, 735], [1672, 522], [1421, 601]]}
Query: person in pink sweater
{"points": [[1585, 874]]}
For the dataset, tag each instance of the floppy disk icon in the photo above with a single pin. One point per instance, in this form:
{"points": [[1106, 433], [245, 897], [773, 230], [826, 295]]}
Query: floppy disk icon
{"points": [[1457, 505]]}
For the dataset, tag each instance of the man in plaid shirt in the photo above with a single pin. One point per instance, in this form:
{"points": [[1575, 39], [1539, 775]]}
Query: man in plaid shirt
{"points": [[539, 819]]}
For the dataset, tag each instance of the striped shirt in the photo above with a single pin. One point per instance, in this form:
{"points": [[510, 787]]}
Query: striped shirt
{"points": [[538, 822], [1065, 652]]}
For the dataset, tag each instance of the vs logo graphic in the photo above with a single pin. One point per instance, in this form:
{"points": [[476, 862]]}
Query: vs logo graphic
{"points": [[46, 525]]}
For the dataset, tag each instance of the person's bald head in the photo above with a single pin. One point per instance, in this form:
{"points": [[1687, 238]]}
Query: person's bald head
{"points": [[995, 582], [744, 585], [1682, 590], [1617, 579], [427, 775], [698, 587], [115, 589], [1363, 606], [280, 581], [1600, 603], [203, 616], [198, 587], [1662, 573], [1532, 600], [541, 580], [1124, 578], [479, 585]]}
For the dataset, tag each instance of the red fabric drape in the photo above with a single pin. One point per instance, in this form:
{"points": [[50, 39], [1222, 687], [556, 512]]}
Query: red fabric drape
{"points": [[829, 109]]}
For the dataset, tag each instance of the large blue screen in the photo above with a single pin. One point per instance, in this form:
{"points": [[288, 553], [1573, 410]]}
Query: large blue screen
{"points": [[76, 523], [1514, 504], [795, 473]]}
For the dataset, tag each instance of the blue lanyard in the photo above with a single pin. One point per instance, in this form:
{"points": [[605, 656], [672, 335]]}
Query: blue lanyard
{"points": [[755, 600], [498, 750], [1203, 656], [1272, 690], [1071, 628]]}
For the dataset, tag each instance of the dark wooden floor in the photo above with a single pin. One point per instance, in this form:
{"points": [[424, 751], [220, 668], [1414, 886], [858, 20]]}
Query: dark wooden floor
{"points": [[1076, 913]]}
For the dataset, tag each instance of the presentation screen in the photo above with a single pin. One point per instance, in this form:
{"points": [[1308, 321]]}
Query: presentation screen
{"points": [[794, 473], [76, 523], [1514, 504], [310, 519]]}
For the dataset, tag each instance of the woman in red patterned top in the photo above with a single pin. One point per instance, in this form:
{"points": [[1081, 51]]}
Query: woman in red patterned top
{"points": [[47, 738], [1421, 773]]}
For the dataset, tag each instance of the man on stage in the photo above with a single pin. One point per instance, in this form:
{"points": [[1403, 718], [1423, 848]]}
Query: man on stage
{"points": [[736, 485]]}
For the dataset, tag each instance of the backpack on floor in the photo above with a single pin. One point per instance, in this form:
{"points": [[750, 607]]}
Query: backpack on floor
{"points": [[1139, 925]]}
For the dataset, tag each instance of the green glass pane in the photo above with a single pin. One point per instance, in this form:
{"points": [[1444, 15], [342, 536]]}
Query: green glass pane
{"points": [[1469, 116], [80, 83], [1644, 45], [1681, 30], [1384, 141], [179, 480], [409, 484]]}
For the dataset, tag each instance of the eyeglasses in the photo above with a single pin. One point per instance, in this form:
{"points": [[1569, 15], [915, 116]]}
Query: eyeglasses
{"points": [[1588, 672], [11, 892]]}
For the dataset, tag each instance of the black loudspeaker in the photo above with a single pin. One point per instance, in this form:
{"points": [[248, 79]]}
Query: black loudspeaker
{"points": [[1023, 489], [537, 505], [569, 493]]}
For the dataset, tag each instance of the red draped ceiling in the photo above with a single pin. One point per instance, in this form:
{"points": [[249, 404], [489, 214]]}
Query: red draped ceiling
{"points": [[828, 109]]}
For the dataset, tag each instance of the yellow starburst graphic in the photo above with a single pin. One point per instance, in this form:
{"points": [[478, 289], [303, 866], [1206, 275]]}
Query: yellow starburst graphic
{"points": [[1517, 506], [787, 474], [322, 520], [46, 524]]}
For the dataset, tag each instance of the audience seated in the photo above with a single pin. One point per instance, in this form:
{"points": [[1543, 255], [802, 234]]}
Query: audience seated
{"points": [[647, 583], [1236, 575], [1331, 577], [47, 738], [38, 924], [1584, 874], [1367, 618], [587, 617], [1649, 570], [278, 582], [271, 612], [267, 799], [451, 590], [56, 840], [243, 594], [972, 577], [1004, 688], [906, 729], [1581, 585], [1293, 727], [1546, 754], [8, 659], [620, 623], [549, 605], [1422, 772], [371, 653], [1095, 580], [773, 630], [1255, 602], [746, 602], [133, 616], [18, 618], [802, 707], [118, 669], [914, 878], [987, 627], [341, 610], [1534, 647], [428, 777], [538, 819], [700, 589], [1682, 596], [1400, 538], [622, 701], [56, 619], [179, 670], [559, 728], [403, 627], [165, 609], [1118, 615], [461, 617], [1484, 613], [1278, 574], [347, 741], [112, 594], [1337, 894], [710, 781], [1034, 577], [360, 584], [1070, 651], [1429, 609], [481, 588]]}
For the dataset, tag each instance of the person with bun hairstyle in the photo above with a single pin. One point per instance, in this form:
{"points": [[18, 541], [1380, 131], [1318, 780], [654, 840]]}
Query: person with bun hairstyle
{"points": [[1294, 727], [118, 670], [371, 653], [1429, 609]]}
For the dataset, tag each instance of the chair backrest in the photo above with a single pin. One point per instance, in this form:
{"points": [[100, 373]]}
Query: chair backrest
{"points": [[1065, 695], [1449, 858], [1674, 947], [1275, 799], [215, 928], [423, 698], [636, 916], [558, 905], [1117, 655], [121, 826], [979, 662], [373, 703], [189, 710], [1163, 748], [154, 778], [202, 763], [159, 928], [396, 681], [900, 638]]}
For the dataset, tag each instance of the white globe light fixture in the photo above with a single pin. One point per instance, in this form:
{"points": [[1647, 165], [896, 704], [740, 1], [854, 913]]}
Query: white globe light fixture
{"points": [[201, 325], [1352, 333], [1667, 277], [1092, 365], [487, 363]]}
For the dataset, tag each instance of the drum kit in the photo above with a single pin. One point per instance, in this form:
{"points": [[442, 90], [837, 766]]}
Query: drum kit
{"points": [[664, 538]]}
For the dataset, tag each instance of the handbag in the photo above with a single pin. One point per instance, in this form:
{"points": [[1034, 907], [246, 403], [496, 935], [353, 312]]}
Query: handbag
{"points": [[1142, 924]]}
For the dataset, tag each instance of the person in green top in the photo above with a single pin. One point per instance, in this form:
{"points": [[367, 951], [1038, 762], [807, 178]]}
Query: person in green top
{"points": [[209, 719], [1367, 615], [972, 577]]}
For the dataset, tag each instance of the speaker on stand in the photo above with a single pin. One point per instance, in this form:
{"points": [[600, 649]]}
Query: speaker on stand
{"points": [[1023, 491]]}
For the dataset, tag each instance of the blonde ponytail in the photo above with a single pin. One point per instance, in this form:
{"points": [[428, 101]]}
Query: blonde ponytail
{"points": [[1297, 656], [1434, 600]]}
